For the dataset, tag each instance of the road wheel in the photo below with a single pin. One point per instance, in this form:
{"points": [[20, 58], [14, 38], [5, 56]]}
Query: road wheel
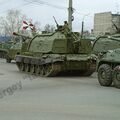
{"points": [[48, 70], [19, 66], [22, 67], [37, 69], [8, 60], [27, 67], [42, 70], [32, 69], [105, 75], [116, 77]]}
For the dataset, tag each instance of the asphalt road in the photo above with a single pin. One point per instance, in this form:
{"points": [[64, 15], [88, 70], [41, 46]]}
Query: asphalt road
{"points": [[25, 97]]}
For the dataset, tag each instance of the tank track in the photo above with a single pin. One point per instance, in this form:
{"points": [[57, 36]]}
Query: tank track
{"points": [[48, 70], [91, 70], [3, 54]]}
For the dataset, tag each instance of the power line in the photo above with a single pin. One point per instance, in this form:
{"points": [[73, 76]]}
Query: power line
{"points": [[40, 2], [25, 4], [4, 2], [33, 2]]}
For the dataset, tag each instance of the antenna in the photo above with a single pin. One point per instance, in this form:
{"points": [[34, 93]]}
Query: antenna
{"points": [[117, 8]]}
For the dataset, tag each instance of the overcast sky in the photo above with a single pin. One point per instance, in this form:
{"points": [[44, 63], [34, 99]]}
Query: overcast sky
{"points": [[44, 10]]}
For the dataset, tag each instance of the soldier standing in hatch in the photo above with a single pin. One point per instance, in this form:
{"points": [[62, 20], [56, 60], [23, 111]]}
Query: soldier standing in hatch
{"points": [[65, 27], [65, 24]]}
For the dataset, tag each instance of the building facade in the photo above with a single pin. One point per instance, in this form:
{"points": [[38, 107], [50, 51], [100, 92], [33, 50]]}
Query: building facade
{"points": [[104, 23]]}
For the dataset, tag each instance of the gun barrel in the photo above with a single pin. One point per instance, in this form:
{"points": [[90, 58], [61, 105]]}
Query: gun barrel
{"points": [[17, 34], [55, 21]]}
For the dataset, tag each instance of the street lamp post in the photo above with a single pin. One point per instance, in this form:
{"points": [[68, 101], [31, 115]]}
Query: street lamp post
{"points": [[82, 30]]}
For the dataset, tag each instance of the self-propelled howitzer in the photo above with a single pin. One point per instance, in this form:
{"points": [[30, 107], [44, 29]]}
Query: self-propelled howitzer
{"points": [[58, 52], [16, 46]]}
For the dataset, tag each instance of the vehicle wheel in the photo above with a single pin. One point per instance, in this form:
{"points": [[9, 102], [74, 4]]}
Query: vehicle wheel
{"points": [[19, 66], [8, 60], [32, 69], [27, 67], [116, 77], [48, 70], [37, 70], [42, 70], [105, 75], [22, 67]]}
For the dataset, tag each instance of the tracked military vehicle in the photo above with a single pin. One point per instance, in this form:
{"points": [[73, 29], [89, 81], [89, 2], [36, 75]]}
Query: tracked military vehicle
{"points": [[61, 51], [4, 47], [108, 64], [16, 47], [13, 51]]}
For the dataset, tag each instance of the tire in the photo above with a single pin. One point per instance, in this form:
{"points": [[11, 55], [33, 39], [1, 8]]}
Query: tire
{"points": [[8, 60], [116, 77], [105, 75]]}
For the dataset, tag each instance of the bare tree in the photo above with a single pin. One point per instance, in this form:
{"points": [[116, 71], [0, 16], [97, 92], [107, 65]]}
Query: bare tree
{"points": [[49, 28], [12, 22]]}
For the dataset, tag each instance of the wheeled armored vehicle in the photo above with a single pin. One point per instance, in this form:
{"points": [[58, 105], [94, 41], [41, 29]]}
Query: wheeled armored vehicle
{"points": [[108, 64]]}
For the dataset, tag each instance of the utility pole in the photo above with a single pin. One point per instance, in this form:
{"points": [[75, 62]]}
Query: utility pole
{"points": [[70, 12]]}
